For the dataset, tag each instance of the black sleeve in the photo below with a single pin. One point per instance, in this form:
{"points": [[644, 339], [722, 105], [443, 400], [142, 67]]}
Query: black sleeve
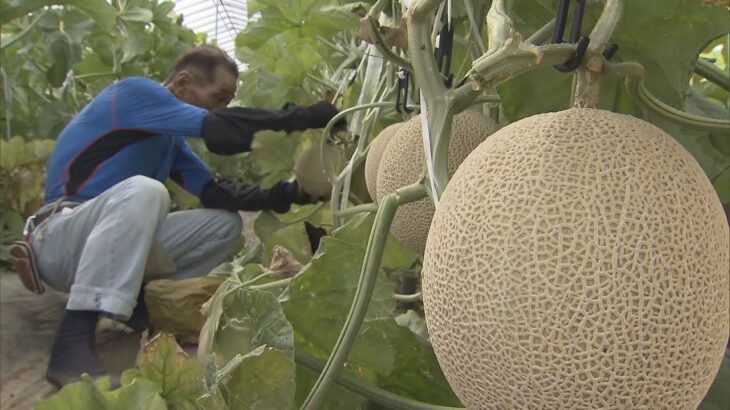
{"points": [[225, 194], [230, 130]]}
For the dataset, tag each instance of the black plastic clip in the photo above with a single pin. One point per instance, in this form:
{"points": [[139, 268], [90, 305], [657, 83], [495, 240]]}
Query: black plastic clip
{"points": [[610, 51], [443, 53], [401, 98], [581, 44]]}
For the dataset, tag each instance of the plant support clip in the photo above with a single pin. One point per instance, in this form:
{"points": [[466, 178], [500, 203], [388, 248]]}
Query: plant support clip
{"points": [[443, 53], [401, 99], [581, 44]]}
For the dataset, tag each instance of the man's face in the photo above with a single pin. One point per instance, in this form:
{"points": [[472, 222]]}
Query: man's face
{"points": [[192, 87]]}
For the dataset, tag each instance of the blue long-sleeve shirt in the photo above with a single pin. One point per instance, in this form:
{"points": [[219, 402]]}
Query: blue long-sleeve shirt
{"points": [[137, 127], [133, 127]]}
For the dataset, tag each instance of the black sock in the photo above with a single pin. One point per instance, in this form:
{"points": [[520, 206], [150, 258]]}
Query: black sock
{"points": [[139, 321], [73, 351]]}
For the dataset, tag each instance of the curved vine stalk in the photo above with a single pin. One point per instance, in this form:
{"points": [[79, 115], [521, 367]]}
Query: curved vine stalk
{"points": [[366, 284], [336, 180], [713, 74], [358, 209], [408, 298], [375, 394], [634, 73], [358, 157]]}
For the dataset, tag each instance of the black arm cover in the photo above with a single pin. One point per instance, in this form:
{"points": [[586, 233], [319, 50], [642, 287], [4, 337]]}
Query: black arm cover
{"points": [[225, 194], [230, 130]]}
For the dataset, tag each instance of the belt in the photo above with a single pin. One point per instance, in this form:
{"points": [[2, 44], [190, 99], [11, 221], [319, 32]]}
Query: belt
{"points": [[44, 213]]}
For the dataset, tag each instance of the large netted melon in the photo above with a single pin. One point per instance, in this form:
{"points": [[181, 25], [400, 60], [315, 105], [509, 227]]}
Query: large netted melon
{"points": [[377, 148], [579, 260], [403, 162], [312, 171]]}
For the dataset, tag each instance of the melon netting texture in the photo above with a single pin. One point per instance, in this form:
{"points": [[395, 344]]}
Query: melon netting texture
{"points": [[377, 148], [579, 260], [403, 164]]}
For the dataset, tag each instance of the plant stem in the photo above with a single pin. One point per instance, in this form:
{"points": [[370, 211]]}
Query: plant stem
{"points": [[475, 32], [635, 74], [499, 26], [388, 54], [604, 28], [363, 294], [272, 285], [713, 74], [588, 76], [377, 8], [255, 279], [376, 394], [337, 182], [422, 8], [438, 100], [408, 298], [371, 207], [516, 58], [94, 75]]}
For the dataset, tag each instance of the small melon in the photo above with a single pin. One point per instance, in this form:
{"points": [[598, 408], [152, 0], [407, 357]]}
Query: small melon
{"points": [[377, 148], [403, 164], [312, 177], [579, 260]]}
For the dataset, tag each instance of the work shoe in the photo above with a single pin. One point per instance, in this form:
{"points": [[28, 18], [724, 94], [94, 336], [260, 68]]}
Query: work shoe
{"points": [[24, 262], [74, 352]]}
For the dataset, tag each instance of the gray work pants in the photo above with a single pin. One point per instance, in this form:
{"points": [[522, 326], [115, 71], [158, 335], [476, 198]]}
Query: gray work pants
{"points": [[98, 251]]}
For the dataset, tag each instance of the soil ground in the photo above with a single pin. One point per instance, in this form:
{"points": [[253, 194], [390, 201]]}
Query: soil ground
{"points": [[27, 325]]}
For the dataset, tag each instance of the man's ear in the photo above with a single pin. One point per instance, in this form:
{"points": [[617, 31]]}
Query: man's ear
{"points": [[183, 79]]}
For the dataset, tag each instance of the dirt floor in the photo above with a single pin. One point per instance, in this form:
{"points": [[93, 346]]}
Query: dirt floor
{"points": [[27, 324]]}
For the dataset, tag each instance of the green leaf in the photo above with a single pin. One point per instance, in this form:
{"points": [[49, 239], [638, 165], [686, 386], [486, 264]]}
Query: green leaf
{"points": [[250, 319], [275, 153], [162, 361], [137, 40], [136, 14], [12, 153], [102, 12], [292, 236], [81, 395], [384, 352], [357, 231], [647, 34], [262, 379], [140, 394], [88, 395], [328, 20], [258, 32], [320, 300]]}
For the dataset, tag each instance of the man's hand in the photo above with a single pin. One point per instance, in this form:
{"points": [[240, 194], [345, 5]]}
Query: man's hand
{"points": [[321, 113]]}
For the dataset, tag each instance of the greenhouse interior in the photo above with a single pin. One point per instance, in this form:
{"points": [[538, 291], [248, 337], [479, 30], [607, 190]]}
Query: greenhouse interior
{"points": [[377, 204]]}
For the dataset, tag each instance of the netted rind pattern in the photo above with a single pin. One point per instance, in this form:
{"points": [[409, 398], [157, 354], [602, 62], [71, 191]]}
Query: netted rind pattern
{"points": [[579, 260], [377, 148], [403, 163], [309, 170]]}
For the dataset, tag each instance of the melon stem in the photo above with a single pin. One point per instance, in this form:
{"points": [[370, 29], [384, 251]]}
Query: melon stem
{"points": [[588, 75], [363, 294]]}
